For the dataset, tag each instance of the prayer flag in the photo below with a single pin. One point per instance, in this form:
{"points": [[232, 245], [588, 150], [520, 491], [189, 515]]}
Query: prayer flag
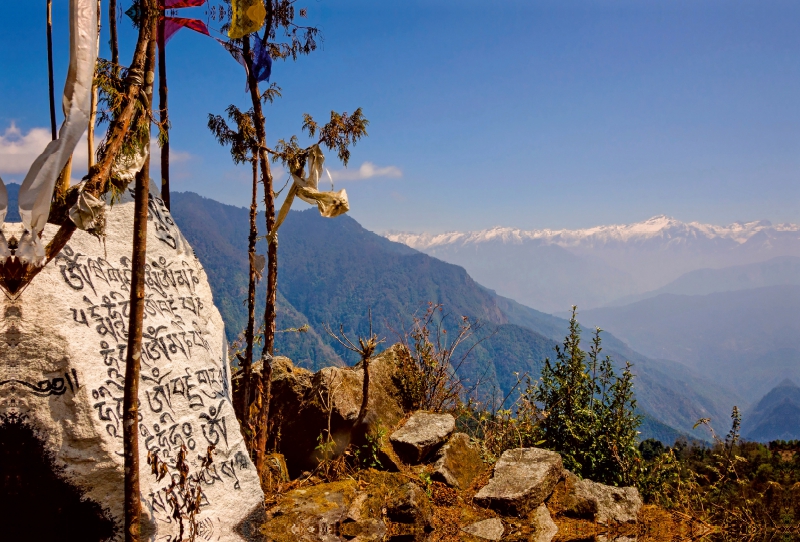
{"points": [[175, 4], [173, 24], [248, 17]]}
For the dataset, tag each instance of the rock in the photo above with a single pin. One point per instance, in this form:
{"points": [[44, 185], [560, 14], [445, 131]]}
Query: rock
{"points": [[544, 526], [458, 462], [388, 458], [300, 416], [604, 504], [488, 529], [410, 504], [359, 524], [351, 510], [423, 433], [312, 514], [62, 346], [278, 472], [523, 479]]}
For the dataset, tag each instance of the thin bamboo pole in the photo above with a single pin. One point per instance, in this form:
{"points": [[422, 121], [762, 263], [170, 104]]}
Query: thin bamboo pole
{"points": [[51, 83], [112, 32], [164, 112], [265, 384], [93, 114], [130, 425], [247, 363]]}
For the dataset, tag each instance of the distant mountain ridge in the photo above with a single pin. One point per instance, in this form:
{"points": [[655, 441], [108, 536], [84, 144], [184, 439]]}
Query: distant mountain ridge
{"points": [[783, 270], [593, 267], [776, 416]]}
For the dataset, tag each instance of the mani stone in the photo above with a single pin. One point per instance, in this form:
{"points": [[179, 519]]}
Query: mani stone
{"points": [[488, 529], [63, 342], [423, 433], [604, 504], [523, 479], [458, 462]]}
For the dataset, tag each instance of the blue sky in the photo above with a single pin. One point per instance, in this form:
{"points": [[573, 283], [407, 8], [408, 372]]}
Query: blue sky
{"points": [[528, 113]]}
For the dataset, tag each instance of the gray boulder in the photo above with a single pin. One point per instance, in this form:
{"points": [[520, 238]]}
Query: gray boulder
{"points": [[299, 399], [458, 462], [325, 513], [523, 479], [409, 504], [312, 514], [488, 529], [423, 433], [604, 504]]}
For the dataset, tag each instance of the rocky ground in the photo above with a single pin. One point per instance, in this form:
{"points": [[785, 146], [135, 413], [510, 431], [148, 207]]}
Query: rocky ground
{"points": [[422, 480]]}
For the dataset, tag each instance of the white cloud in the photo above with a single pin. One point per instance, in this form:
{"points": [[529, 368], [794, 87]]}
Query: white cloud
{"points": [[368, 170], [18, 151], [175, 156]]}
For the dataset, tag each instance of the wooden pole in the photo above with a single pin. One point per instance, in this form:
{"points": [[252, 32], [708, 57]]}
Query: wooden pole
{"points": [[112, 31], [51, 84], [163, 112], [93, 115], [265, 384], [130, 423], [133, 361], [247, 363], [62, 184]]}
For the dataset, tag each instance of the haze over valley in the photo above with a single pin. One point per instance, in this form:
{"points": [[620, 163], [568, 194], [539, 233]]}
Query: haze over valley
{"points": [[721, 300]]}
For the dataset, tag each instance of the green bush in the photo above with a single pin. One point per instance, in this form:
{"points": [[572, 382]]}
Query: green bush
{"points": [[587, 412]]}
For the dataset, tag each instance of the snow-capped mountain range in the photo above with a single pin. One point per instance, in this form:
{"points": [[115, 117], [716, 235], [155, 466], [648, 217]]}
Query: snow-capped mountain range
{"points": [[662, 228], [552, 269]]}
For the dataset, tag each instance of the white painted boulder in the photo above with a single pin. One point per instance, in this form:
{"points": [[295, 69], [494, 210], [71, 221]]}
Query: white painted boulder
{"points": [[62, 353]]}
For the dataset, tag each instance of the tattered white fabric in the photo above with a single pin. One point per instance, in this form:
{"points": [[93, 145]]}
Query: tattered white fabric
{"points": [[330, 204], [126, 168], [4, 251], [36, 191], [88, 211], [258, 261], [30, 249], [3, 201]]}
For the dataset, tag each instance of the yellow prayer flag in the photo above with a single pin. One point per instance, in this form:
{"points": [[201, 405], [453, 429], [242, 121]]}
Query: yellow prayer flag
{"points": [[248, 16]]}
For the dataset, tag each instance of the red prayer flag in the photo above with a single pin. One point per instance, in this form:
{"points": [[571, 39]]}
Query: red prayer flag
{"points": [[173, 24], [176, 4]]}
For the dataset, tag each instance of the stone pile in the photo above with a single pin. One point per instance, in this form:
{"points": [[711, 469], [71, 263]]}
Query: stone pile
{"points": [[398, 505]]}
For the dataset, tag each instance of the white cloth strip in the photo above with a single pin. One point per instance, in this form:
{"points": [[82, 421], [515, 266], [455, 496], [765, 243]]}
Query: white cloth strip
{"points": [[4, 250], [36, 191], [330, 204]]}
